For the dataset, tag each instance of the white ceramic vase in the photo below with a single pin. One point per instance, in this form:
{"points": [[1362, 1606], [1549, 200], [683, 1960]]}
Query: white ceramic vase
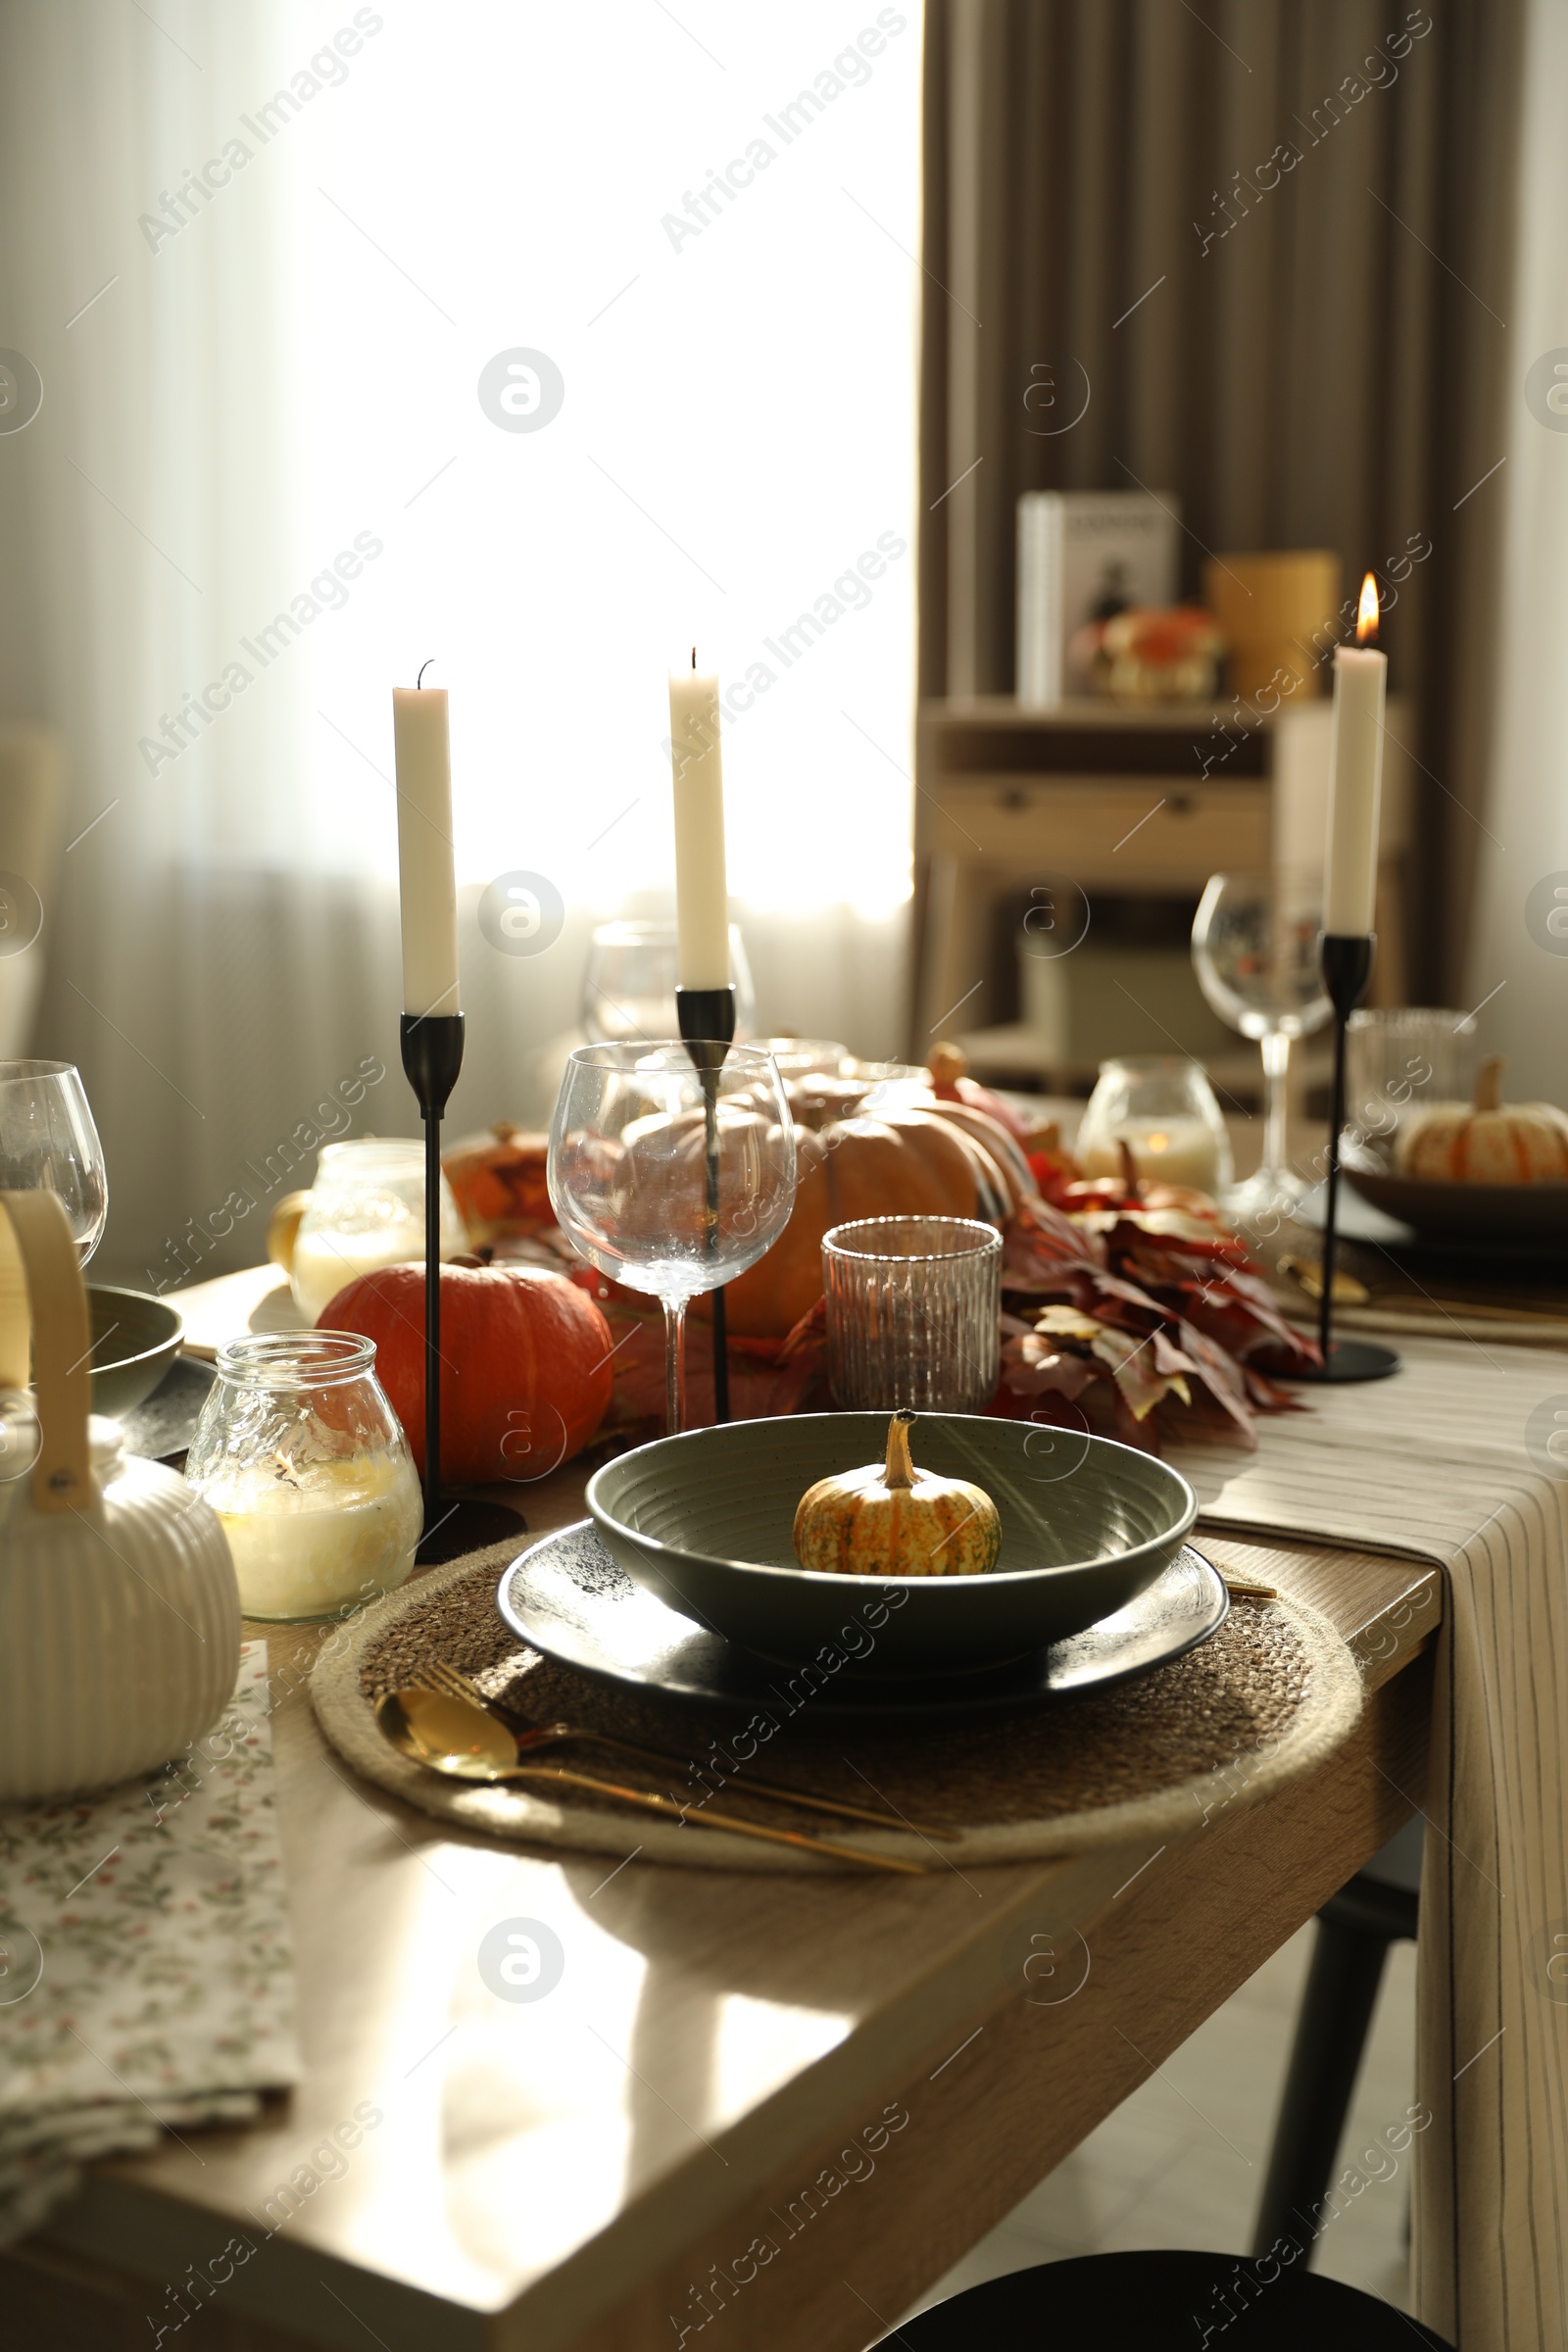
{"points": [[119, 1620]]}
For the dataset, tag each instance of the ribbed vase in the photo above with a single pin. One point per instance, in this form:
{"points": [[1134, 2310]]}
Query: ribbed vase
{"points": [[120, 1629]]}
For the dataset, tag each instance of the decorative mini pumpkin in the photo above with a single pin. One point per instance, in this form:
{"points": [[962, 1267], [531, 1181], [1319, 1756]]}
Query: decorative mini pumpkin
{"points": [[1489, 1142], [526, 1372], [891, 1519], [909, 1162]]}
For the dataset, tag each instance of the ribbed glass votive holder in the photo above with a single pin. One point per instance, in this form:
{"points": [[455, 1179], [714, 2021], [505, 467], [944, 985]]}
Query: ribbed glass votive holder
{"points": [[913, 1314]]}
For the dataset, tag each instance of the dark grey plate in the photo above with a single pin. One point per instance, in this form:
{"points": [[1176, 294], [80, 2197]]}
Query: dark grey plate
{"points": [[1477, 1212], [135, 1337], [705, 1520], [163, 1424], [567, 1596]]}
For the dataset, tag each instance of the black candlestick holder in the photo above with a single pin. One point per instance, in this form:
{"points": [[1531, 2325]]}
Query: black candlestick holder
{"points": [[1346, 967], [432, 1056], [707, 1018]]}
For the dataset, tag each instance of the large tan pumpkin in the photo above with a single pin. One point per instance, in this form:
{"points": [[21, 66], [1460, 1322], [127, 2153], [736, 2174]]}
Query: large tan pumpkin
{"points": [[907, 1164], [1487, 1142]]}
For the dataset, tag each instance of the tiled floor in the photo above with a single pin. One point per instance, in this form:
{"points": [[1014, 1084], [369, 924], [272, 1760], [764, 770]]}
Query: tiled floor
{"points": [[1181, 2163]]}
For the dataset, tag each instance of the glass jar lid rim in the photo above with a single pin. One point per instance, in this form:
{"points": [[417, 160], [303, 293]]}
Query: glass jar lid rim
{"points": [[296, 1359], [376, 1146], [1152, 1061]]}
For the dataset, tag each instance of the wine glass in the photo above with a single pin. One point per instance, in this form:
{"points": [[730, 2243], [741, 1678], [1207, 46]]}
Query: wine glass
{"points": [[1255, 952], [670, 1177], [48, 1143], [628, 990]]}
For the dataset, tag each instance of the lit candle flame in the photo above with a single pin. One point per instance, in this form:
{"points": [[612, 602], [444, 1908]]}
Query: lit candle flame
{"points": [[1366, 615]]}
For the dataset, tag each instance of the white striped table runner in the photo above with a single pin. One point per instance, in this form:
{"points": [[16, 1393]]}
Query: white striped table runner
{"points": [[1445, 1460]]}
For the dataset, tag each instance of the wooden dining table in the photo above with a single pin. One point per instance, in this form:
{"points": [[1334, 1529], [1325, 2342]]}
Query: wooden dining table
{"points": [[774, 2106]]}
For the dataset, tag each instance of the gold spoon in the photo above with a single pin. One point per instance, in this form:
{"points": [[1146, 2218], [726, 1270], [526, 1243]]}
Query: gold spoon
{"points": [[449, 1736], [529, 1736]]}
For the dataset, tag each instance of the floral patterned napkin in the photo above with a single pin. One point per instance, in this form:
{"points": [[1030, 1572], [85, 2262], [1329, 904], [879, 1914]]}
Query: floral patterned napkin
{"points": [[146, 1978]]}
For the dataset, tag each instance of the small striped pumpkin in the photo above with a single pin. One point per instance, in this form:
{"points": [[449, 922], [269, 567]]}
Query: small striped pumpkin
{"points": [[891, 1519], [1490, 1142]]}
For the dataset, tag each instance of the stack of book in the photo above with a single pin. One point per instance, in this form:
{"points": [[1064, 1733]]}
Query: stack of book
{"points": [[1082, 556]]}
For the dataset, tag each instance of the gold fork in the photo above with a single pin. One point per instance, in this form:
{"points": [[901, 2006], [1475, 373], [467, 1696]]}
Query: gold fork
{"points": [[464, 1741], [447, 1679]]}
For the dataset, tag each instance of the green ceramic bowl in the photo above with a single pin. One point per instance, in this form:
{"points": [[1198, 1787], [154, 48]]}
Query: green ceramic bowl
{"points": [[704, 1521], [135, 1337]]}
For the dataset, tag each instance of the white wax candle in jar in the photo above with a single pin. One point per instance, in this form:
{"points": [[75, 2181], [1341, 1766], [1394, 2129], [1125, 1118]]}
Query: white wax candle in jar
{"points": [[365, 1209], [426, 876], [313, 1539], [324, 1264], [702, 896], [1173, 1150], [299, 1453], [1355, 777]]}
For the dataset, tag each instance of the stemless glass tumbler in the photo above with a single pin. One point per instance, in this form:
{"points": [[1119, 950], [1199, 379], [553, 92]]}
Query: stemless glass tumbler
{"points": [[640, 1194], [1400, 1060], [913, 1314]]}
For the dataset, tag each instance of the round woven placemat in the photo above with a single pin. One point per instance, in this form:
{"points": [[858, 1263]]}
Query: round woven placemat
{"points": [[1266, 1699]]}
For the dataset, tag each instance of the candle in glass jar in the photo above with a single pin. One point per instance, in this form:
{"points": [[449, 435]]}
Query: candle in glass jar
{"points": [[427, 879], [324, 1264], [1175, 1151], [313, 1539], [702, 896]]}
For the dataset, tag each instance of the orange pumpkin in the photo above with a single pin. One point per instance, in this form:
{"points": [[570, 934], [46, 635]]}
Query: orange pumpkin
{"points": [[891, 1519], [908, 1162], [1488, 1142], [526, 1364]]}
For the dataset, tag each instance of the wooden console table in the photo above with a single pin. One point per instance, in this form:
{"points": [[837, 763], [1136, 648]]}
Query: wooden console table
{"points": [[1121, 802]]}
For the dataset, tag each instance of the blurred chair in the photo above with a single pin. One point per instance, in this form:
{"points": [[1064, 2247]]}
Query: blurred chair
{"points": [[1162, 2303], [1354, 1930]]}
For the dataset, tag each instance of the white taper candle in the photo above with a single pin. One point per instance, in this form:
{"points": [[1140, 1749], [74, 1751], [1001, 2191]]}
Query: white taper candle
{"points": [[1356, 778], [701, 897], [426, 881]]}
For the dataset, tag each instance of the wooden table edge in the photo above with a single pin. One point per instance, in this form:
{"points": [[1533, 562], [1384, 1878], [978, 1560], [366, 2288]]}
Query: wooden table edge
{"points": [[576, 2303]]}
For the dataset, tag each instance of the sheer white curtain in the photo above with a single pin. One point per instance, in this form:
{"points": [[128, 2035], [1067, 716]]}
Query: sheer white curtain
{"points": [[1519, 961], [261, 257]]}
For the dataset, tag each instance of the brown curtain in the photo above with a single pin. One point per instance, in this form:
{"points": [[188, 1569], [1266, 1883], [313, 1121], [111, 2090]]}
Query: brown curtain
{"points": [[1285, 272]]}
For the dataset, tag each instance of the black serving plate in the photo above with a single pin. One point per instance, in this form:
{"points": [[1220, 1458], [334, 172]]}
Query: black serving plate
{"points": [[1507, 1250], [568, 1598], [161, 1428]]}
